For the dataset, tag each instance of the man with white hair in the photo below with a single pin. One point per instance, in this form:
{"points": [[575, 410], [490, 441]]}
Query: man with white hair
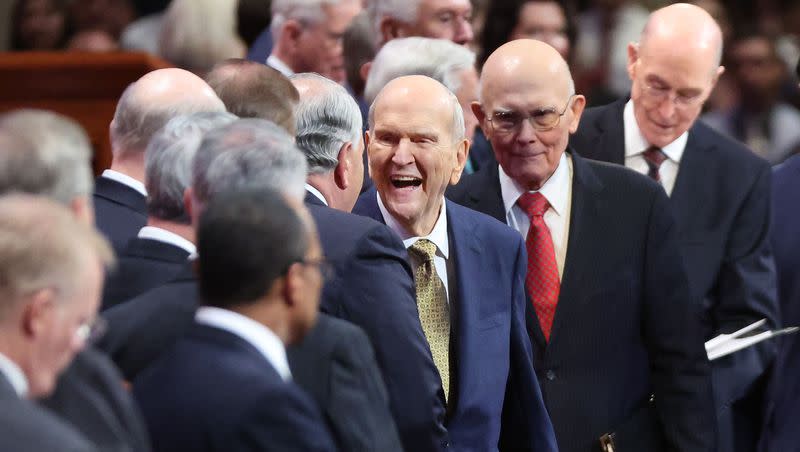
{"points": [[441, 19], [373, 283], [160, 249], [308, 36], [51, 265], [144, 108]]}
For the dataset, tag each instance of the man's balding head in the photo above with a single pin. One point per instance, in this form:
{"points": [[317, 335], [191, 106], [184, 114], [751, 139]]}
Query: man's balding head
{"points": [[528, 79], [150, 102], [673, 68], [416, 149]]}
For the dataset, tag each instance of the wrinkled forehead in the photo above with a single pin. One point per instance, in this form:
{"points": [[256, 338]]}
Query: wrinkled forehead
{"points": [[523, 89]]}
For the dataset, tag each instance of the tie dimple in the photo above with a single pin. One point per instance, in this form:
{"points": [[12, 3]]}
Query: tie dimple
{"points": [[654, 157]]}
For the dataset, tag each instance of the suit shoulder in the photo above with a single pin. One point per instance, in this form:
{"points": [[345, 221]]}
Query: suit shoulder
{"points": [[734, 153], [32, 427], [483, 224]]}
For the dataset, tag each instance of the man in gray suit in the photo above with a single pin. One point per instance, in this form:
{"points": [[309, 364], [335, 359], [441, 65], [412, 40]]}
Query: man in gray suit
{"points": [[51, 266]]}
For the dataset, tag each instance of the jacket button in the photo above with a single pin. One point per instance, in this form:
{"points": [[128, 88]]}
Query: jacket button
{"points": [[550, 375]]}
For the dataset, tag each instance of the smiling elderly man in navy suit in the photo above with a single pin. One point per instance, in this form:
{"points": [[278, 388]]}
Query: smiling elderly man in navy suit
{"points": [[469, 270]]}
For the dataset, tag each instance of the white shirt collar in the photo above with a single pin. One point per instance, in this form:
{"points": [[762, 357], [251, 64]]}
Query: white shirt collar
{"points": [[125, 180], [635, 143], [258, 335], [275, 63], [14, 375], [555, 189], [316, 193], [438, 234], [162, 235]]}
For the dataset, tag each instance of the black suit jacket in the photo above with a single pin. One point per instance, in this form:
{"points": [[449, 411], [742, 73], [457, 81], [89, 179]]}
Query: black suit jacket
{"points": [[721, 202], [374, 288], [213, 391], [26, 427], [119, 210], [90, 396], [335, 364], [144, 264], [625, 326], [782, 433]]}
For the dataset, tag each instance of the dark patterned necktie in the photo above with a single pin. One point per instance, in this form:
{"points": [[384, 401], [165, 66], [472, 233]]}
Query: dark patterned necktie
{"points": [[654, 157]]}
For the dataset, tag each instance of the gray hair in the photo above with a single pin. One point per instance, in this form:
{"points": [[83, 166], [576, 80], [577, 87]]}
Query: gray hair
{"points": [[439, 59], [327, 117], [402, 10], [308, 12], [136, 121], [459, 130], [168, 162], [248, 153], [53, 158]]}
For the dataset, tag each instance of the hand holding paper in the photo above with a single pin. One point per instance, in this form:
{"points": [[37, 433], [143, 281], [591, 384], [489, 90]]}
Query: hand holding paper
{"points": [[725, 344]]}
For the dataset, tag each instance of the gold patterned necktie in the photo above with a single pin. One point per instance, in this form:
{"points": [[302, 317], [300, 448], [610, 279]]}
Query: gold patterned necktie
{"points": [[434, 311]]}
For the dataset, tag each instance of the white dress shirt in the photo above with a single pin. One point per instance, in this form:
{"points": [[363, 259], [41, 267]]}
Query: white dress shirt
{"points": [[635, 145], [558, 192], [124, 179], [438, 236], [316, 193], [258, 335], [14, 375], [162, 235], [275, 63]]}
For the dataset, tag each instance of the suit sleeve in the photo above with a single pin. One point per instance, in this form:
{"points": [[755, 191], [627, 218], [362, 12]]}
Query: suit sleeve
{"points": [[672, 329], [747, 292], [358, 404], [526, 424], [376, 292]]}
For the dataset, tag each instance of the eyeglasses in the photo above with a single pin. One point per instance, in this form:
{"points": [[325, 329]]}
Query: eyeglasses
{"points": [[542, 120], [325, 267], [92, 330], [660, 93]]}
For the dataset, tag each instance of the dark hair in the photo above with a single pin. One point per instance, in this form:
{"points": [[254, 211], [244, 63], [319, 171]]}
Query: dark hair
{"points": [[245, 241], [15, 41], [252, 18], [503, 16], [254, 90]]}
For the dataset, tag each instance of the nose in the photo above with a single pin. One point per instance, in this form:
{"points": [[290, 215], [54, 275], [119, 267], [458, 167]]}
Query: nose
{"points": [[464, 32], [526, 134], [402, 154], [667, 107]]}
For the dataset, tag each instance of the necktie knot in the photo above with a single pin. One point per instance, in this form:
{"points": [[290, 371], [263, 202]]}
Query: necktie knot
{"points": [[654, 157], [534, 204], [423, 249]]}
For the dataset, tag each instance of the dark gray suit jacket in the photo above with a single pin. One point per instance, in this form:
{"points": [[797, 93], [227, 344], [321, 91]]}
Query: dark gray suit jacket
{"points": [[26, 427]]}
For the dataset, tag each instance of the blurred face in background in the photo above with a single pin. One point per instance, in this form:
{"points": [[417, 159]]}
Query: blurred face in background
{"points": [[544, 21], [320, 46], [444, 19], [40, 25]]}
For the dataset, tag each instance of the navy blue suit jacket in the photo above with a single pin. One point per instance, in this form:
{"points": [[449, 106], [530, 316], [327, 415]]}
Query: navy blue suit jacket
{"points": [[496, 401], [625, 326], [119, 211], [784, 405], [374, 288], [721, 202], [213, 391], [144, 264]]}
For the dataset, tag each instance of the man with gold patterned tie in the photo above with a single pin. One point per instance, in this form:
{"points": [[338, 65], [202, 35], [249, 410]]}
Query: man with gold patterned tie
{"points": [[469, 270]]}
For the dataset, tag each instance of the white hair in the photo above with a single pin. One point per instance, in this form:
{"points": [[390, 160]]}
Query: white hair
{"points": [[54, 159], [248, 153], [308, 12], [326, 117], [168, 162], [439, 59], [402, 10]]}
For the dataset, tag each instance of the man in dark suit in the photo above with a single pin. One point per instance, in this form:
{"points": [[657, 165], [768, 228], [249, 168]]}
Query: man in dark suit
{"points": [[468, 269], [89, 394], [781, 431], [373, 284], [51, 265], [719, 192], [612, 322], [229, 376], [145, 106], [160, 248]]}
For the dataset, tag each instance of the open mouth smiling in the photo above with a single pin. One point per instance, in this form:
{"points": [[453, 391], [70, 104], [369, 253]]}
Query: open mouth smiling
{"points": [[406, 181]]}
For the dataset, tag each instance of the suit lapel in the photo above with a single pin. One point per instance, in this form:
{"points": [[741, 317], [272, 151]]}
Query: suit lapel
{"points": [[609, 146], [691, 192]]}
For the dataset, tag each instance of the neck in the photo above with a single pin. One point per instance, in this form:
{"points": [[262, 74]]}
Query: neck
{"points": [[184, 230], [282, 54], [271, 314], [332, 194], [424, 224], [130, 166]]}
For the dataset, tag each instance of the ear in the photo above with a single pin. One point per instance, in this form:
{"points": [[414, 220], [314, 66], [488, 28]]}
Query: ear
{"points": [[718, 73], [292, 284], [391, 28], [37, 313], [366, 148], [363, 71], [189, 204], [480, 115], [342, 171], [633, 58], [462, 152], [83, 209], [578, 104], [291, 32]]}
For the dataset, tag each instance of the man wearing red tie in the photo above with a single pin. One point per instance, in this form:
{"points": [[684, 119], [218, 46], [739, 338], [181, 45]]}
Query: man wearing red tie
{"points": [[611, 320]]}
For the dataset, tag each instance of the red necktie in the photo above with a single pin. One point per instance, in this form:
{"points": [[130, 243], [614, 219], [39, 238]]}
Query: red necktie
{"points": [[542, 280], [654, 157]]}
